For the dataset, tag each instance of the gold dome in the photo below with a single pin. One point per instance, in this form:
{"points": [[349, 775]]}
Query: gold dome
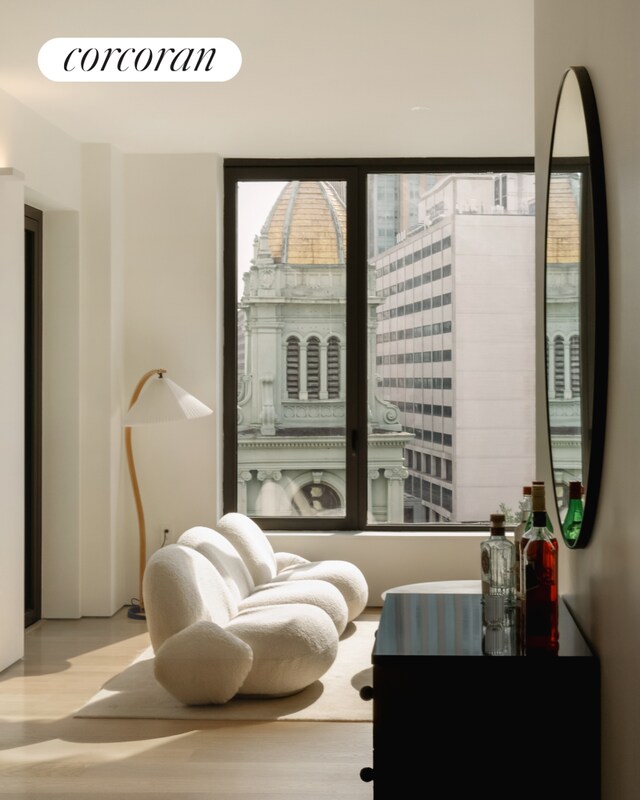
{"points": [[563, 223], [307, 225]]}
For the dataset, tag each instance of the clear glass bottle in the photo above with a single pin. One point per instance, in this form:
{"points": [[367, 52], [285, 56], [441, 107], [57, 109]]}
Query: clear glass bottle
{"points": [[518, 531], [540, 577], [498, 632], [573, 518], [497, 561]]}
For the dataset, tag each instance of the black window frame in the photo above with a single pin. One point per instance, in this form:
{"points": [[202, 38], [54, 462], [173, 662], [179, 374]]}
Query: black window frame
{"points": [[355, 172]]}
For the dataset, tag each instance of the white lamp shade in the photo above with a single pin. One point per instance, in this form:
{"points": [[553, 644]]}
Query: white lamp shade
{"points": [[162, 400]]}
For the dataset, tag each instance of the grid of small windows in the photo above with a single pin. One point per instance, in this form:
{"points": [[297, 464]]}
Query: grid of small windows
{"points": [[423, 468], [414, 359]]}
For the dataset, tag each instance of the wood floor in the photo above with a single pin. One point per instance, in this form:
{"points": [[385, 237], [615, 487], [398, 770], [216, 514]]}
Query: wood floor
{"points": [[46, 753]]}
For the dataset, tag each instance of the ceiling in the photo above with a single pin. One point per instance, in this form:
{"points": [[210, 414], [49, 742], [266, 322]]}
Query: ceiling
{"points": [[363, 72]]}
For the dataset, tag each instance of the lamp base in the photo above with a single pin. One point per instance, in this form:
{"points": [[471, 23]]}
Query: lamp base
{"points": [[135, 612]]}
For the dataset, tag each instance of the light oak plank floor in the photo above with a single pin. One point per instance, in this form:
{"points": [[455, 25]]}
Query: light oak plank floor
{"points": [[46, 753]]}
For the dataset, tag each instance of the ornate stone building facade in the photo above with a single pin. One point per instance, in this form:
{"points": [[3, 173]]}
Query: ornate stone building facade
{"points": [[292, 443]]}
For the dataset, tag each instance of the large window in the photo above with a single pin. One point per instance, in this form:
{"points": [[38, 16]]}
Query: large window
{"points": [[379, 342]]}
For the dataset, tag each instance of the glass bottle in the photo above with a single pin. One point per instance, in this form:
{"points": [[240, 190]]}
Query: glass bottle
{"points": [[498, 632], [549, 524], [528, 529], [573, 518], [518, 531], [497, 560], [540, 576]]}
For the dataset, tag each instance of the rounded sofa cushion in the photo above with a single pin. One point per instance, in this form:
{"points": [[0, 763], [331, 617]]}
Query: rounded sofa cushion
{"points": [[251, 542], [293, 645], [318, 593], [224, 557], [344, 575], [181, 587], [203, 664]]}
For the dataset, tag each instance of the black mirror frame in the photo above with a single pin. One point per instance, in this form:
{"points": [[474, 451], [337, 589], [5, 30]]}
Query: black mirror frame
{"points": [[594, 313]]}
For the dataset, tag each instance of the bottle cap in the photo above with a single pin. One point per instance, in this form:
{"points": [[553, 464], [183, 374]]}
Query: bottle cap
{"points": [[575, 490], [497, 523], [537, 496], [526, 490]]}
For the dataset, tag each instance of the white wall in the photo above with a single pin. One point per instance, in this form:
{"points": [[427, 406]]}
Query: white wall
{"points": [[49, 159], [12, 414], [101, 315], [172, 289], [603, 579], [61, 475]]}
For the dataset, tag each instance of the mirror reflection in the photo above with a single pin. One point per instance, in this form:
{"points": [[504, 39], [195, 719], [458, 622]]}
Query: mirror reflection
{"points": [[575, 306]]}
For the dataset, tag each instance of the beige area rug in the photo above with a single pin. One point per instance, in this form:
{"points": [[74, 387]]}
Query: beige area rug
{"points": [[135, 693]]}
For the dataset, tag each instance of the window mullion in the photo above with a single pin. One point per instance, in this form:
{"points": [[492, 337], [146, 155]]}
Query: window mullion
{"points": [[357, 349]]}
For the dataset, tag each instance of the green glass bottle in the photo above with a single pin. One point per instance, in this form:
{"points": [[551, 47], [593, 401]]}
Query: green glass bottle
{"points": [[573, 518]]}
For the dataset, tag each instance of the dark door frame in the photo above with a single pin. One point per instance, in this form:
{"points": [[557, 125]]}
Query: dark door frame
{"points": [[33, 415]]}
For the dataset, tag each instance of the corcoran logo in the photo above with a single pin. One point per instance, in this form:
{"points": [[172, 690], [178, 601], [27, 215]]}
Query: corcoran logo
{"points": [[139, 59]]}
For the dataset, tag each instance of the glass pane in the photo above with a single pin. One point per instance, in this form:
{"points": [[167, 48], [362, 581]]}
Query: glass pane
{"points": [[452, 382], [564, 257], [291, 357]]}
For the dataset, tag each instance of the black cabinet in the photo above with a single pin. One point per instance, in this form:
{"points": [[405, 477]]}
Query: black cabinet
{"points": [[451, 722]]}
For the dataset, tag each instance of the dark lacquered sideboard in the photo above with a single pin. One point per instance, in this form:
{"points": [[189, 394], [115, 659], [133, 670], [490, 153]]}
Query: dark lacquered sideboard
{"points": [[452, 722]]}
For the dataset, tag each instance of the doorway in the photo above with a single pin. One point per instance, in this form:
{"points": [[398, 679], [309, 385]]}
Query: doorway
{"points": [[33, 416]]}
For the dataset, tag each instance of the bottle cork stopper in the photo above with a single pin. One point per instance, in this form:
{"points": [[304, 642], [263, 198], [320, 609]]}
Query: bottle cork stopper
{"points": [[496, 522], [575, 490], [537, 496]]}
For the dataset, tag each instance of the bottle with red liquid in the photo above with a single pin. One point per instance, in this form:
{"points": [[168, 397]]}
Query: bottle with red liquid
{"points": [[540, 575]]}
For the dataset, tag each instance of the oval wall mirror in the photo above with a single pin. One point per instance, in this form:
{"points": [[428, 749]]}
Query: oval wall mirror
{"points": [[576, 305]]}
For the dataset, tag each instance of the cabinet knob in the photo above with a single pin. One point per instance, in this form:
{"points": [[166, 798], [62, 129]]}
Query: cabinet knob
{"points": [[366, 774], [366, 692]]}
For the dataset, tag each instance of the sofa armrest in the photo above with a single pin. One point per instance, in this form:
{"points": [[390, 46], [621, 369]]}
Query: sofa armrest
{"points": [[202, 664]]}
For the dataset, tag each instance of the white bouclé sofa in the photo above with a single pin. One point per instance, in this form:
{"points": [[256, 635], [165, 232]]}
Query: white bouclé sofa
{"points": [[229, 617]]}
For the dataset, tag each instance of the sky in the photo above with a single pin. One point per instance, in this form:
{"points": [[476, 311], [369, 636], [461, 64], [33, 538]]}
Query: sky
{"points": [[255, 200]]}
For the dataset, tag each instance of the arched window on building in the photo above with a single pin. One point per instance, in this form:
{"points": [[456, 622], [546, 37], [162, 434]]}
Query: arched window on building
{"points": [[558, 366], [333, 367], [574, 362], [313, 368], [317, 499], [293, 368]]}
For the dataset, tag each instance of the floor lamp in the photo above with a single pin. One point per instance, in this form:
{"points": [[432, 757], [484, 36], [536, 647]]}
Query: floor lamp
{"points": [[155, 399]]}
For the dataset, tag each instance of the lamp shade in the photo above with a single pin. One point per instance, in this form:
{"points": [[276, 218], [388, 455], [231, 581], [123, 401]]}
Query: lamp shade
{"points": [[162, 400]]}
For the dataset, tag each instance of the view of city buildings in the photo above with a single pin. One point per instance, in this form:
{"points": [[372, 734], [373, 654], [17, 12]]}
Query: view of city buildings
{"points": [[450, 362]]}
